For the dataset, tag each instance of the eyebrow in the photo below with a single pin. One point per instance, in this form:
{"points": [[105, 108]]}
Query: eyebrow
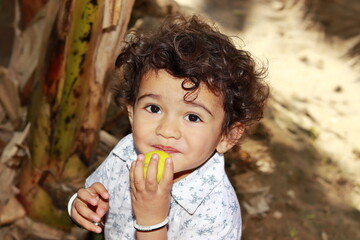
{"points": [[200, 105], [148, 95], [195, 104]]}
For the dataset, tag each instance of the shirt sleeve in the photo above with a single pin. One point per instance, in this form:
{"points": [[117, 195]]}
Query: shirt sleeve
{"points": [[114, 170], [103, 173]]}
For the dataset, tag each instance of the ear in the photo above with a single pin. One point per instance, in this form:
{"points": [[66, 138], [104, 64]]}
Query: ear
{"points": [[231, 138], [130, 111]]}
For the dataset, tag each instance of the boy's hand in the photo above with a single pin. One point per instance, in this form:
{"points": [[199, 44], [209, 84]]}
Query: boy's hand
{"points": [[150, 199], [90, 206]]}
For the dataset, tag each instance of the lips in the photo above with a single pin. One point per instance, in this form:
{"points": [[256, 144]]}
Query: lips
{"points": [[167, 149]]}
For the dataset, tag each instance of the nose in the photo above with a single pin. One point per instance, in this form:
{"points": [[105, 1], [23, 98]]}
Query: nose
{"points": [[168, 128]]}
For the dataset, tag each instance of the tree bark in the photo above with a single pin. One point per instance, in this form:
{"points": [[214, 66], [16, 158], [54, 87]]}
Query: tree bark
{"points": [[70, 97]]}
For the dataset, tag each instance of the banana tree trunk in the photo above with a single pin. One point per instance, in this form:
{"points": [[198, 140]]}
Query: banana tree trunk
{"points": [[69, 101]]}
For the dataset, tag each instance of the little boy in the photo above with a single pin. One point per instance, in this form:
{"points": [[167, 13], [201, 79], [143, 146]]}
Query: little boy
{"points": [[188, 92]]}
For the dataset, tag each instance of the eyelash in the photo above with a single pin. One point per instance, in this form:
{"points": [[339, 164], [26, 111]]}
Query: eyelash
{"points": [[156, 111], [148, 108], [198, 119]]}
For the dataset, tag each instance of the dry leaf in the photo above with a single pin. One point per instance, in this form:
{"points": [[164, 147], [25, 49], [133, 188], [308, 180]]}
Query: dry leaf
{"points": [[108, 139], [27, 48], [9, 97], [111, 13], [42, 231], [2, 114], [11, 211], [7, 176], [247, 183], [256, 205], [12, 147]]}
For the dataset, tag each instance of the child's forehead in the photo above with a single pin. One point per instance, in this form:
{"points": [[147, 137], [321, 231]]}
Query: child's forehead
{"points": [[156, 73], [185, 83], [162, 80]]}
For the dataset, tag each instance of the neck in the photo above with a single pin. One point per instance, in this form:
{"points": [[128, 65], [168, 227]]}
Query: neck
{"points": [[181, 175]]}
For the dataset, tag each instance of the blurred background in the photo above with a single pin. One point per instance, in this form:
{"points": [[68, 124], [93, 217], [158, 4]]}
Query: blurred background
{"points": [[297, 172]]}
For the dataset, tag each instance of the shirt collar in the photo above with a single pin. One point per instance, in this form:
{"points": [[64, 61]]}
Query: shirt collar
{"points": [[125, 150], [189, 192]]}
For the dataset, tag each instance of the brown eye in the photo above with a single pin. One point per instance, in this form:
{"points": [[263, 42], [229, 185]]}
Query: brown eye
{"points": [[153, 108], [192, 118]]}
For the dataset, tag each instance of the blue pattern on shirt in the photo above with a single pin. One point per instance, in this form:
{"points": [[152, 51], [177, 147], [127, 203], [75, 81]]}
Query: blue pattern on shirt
{"points": [[203, 205]]}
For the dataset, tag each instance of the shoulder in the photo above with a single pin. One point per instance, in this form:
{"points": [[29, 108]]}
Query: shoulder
{"points": [[222, 202], [115, 165], [217, 217]]}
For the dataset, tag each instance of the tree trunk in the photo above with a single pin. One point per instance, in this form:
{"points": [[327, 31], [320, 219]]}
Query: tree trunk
{"points": [[81, 40]]}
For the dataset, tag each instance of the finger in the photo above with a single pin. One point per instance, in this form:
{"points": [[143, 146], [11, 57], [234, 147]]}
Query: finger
{"points": [[139, 173], [88, 196], [82, 209], [102, 208], [100, 190], [168, 177], [85, 223], [151, 182], [132, 177]]}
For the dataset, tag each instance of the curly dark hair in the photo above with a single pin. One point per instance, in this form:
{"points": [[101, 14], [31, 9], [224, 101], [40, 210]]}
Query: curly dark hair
{"points": [[191, 49]]}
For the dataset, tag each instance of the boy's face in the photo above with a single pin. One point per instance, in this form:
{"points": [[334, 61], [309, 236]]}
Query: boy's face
{"points": [[189, 131]]}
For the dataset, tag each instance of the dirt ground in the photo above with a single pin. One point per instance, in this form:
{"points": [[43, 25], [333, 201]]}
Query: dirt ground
{"points": [[297, 171], [299, 177]]}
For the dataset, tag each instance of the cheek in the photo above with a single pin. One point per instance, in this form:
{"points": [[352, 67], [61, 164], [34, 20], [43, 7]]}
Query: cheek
{"points": [[143, 135], [202, 148], [206, 144], [138, 132], [140, 125]]}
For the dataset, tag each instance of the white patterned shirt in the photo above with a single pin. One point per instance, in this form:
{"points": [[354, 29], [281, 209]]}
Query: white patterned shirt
{"points": [[203, 204]]}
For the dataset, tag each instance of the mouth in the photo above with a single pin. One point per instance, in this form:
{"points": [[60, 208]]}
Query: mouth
{"points": [[167, 149]]}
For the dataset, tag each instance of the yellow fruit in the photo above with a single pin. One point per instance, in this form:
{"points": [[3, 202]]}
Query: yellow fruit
{"points": [[161, 165]]}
